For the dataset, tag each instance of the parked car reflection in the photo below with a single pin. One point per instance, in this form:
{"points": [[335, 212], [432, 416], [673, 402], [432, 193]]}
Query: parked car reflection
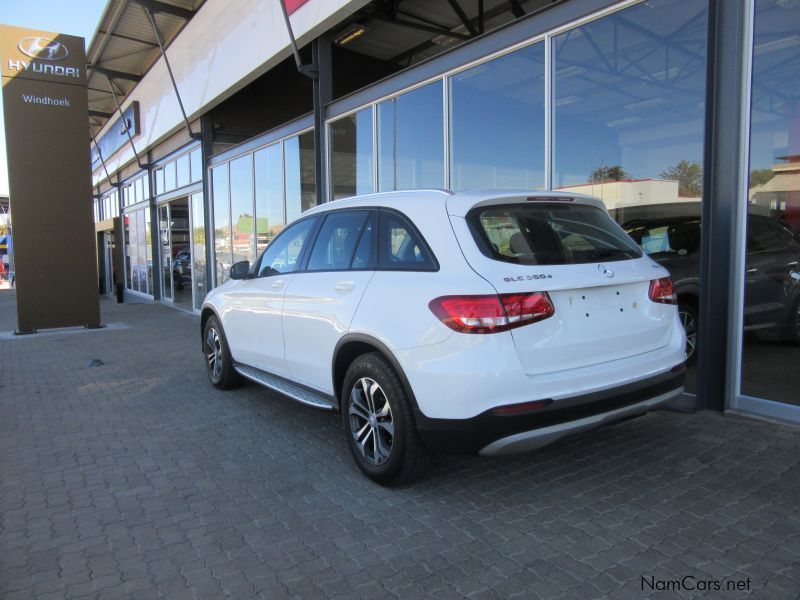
{"points": [[670, 234]]}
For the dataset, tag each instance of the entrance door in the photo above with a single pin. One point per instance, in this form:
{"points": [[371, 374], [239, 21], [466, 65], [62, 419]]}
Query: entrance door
{"points": [[181, 252], [175, 223], [166, 251], [108, 262]]}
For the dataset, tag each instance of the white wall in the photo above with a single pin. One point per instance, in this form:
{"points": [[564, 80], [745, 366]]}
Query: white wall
{"points": [[619, 194], [224, 47]]}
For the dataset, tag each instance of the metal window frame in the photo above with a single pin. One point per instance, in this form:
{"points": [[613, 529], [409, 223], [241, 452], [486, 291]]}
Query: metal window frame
{"points": [[391, 88], [249, 148], [738, 402]]}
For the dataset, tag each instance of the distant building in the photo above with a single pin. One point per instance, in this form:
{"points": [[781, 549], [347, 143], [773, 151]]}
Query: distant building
{"points": [[631, 192]]}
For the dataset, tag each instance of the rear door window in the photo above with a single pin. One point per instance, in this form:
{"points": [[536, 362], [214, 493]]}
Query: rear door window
{"points": [[400, 246], [550, 234]]}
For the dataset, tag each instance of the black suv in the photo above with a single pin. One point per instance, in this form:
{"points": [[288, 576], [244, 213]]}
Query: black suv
{"points": [[670, 234]]}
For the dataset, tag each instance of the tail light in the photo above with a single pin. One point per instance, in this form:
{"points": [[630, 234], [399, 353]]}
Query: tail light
{"points": [[492, 313], [662, 290]]}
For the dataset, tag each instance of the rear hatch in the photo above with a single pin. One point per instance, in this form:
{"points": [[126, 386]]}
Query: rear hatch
{"points": [[596, 276]]}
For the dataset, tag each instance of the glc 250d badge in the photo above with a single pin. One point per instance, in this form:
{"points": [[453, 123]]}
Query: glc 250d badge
{"points": [[43, 48], [605, 271]]}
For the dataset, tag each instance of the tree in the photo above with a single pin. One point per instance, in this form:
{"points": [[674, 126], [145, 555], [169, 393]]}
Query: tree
{"points": [[689, 174], [760, 176], [602, 174]]}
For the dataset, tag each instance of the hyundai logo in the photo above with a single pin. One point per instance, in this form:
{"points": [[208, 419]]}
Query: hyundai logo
{"points": [[605, 271], [43, 48]]}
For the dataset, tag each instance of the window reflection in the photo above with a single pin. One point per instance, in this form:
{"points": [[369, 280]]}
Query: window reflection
{"points": [[629, 104], [771, 317], [300, 182], [198, 250], [243, 224], [182, 167], [222, 223], [351, 155], [497, 123], [138, 251], [269, 194], [411, 140]]}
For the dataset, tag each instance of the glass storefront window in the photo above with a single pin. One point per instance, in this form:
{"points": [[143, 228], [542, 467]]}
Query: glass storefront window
{"points": [[243, 224], [141, 251], [148, 241], [196, 165], [127, 236], [351, 155], [133, 225], [269, 194], [497, 123], [182, 169], [198, 250], [300, 174], [771, 318], [411, 140], [169, 176], [629, 107], [222, 222], [145, 186], [159, 175]]}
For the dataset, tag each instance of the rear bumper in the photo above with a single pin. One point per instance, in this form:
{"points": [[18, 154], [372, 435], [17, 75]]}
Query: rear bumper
{"points": [[493, 434]]}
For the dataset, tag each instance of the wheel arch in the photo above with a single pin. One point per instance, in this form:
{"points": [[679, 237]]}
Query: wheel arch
{"points": [[353, 345], [205, 315]]}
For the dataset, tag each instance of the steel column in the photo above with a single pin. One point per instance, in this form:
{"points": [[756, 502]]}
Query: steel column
{"points": [[323, 93], [721, 194]]}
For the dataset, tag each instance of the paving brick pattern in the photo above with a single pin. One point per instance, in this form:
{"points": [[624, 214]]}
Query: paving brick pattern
{"points": [[137, 479]]}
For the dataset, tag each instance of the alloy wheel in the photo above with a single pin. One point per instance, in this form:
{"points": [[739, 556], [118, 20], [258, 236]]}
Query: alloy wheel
{"points": [[214, 353], [371, 422], [689, 323]]}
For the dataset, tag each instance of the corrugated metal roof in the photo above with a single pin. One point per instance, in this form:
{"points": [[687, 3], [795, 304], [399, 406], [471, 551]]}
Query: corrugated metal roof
{"points": [[124, 47]]}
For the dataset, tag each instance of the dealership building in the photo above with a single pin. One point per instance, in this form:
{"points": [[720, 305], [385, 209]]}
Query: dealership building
{"points": [[210, 131]]}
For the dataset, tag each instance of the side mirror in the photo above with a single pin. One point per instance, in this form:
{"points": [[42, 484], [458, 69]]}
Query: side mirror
{"points": [[240, 270]]}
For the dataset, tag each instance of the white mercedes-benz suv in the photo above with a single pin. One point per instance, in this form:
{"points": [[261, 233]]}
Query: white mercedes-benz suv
{"points": [[490, 323]]}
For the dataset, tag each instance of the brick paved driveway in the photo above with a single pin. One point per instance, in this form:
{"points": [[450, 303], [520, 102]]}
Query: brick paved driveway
{"points": [[138, 479]]}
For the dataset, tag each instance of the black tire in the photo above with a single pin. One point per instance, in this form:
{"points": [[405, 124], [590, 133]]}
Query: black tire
{"points": [[407, 459], [689, 319], [219, 366]]}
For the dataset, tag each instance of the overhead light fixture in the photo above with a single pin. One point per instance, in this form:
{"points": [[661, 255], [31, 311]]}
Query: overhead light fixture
{"points": [[776, 45], [569, 72], [651, 103], [444, 40], [566, 100], [348, 34], [623, 121]]}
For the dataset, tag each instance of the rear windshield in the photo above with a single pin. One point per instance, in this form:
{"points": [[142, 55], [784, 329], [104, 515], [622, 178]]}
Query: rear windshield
{"points": [[550, 234]]}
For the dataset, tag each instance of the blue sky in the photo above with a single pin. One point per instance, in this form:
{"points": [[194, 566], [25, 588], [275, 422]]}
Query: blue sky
{"points": [[73, 18]]}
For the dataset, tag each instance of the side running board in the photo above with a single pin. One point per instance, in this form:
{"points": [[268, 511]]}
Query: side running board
{"points": [[287, 388]]}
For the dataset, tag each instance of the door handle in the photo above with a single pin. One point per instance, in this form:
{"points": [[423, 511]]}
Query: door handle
{"points": [[277, 284], [753, 270], [792, 264], [345, 286]]}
